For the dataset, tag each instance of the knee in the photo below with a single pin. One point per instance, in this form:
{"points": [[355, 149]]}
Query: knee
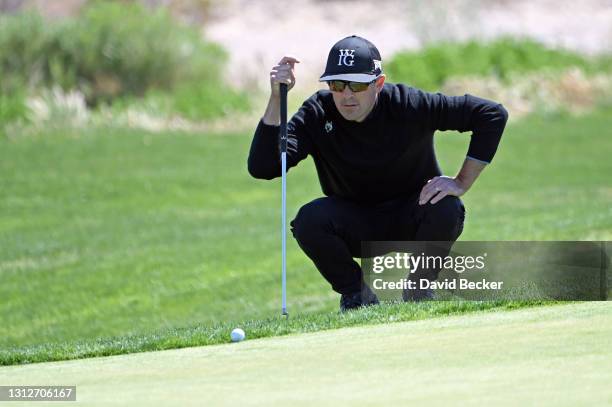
{"points": [[446, 215], [310, 219]]}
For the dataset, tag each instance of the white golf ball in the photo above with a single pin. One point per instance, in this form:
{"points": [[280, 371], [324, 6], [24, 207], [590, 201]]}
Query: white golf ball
{"points": [[237, 335]]}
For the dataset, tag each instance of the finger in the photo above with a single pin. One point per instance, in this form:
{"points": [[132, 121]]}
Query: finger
{"points": [[282, 79], [432, 186], [431, 195], [437, 198], [426, 195], [432, 183], [286, 70], [288, 59], [282, 68], [282, 74]]}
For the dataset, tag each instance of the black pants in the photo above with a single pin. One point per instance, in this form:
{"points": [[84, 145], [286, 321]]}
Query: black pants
{"points": [[330, 231]]}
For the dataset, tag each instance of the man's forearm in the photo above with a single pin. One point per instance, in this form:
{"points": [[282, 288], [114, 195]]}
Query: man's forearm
{"points": [[272, 115], [470, 170]]}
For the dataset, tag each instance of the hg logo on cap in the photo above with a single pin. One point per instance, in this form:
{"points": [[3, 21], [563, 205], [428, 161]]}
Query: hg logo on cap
{"points": [[346, 57]]}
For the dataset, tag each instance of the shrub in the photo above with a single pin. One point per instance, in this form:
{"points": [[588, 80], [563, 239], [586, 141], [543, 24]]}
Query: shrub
{"points": [[125, 49], [431, 67], [22, 43], [114, 51], [13, 107]]}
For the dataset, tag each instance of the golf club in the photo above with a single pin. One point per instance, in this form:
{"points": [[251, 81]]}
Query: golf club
{"points": [[283, 149]]}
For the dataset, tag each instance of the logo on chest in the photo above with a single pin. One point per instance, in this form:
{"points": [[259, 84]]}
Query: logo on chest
{"points": [[328, 127]]}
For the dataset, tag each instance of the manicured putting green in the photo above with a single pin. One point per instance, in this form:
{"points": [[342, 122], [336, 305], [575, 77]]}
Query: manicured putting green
{"points": [[557, 355]]}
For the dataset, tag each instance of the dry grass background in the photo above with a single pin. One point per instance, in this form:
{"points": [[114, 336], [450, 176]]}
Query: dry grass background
{"points": [[257, 33]]}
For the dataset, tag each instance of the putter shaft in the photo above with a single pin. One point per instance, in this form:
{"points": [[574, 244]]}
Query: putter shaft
{"points": [[283, 149]]}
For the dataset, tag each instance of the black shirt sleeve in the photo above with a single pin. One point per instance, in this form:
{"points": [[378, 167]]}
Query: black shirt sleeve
{"points": [[486, 119], [264, 160]]}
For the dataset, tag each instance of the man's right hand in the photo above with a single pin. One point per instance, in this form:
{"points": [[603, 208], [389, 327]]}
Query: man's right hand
{"points": [[283, 73]]}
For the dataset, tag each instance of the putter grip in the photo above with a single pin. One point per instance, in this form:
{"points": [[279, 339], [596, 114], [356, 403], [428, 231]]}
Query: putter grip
{"points": [[283, 117]]}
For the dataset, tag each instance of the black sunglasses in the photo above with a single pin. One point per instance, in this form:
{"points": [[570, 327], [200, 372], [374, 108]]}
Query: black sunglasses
{"points": [[339, 86]]}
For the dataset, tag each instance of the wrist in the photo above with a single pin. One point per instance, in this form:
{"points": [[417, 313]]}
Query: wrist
{"points": [[462, 183], [268, 121]]}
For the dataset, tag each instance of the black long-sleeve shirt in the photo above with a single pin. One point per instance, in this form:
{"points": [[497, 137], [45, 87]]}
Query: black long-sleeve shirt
{"points": [[390, 153]]}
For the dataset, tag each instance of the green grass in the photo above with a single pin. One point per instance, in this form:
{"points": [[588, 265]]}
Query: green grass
{"points": [[258, 328], [548, 181], [557, 356], [122, 233]]}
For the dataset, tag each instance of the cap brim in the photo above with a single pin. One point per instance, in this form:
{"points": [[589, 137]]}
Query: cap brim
{"points": [[353, 77]]}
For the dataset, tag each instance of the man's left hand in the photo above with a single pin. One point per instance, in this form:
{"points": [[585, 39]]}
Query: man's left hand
{"points": [[439, 187]]}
